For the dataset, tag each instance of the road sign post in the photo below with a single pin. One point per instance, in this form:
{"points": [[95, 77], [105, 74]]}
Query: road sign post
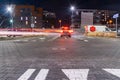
{"points": [[115, 16], [32, 26]]}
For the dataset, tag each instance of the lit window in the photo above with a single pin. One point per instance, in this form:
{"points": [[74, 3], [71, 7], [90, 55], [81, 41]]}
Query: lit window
{"points": [[35, 21], [26, 18], [99, 12], [103, 14], [21, 18], [35, 17], [26, 22], [77, 13]]}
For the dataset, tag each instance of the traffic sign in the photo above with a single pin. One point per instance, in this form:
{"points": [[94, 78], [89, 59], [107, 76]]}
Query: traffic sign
{"points": [[32, 25], [92, 29], [116, 15]]}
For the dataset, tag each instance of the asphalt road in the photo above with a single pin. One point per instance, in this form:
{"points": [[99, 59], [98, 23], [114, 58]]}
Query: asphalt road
{"points": [[55, 58]]}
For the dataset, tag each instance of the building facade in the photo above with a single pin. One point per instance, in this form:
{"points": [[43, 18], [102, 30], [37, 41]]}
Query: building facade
{"points": [[27, 16], [88, 17], [49, 19]]}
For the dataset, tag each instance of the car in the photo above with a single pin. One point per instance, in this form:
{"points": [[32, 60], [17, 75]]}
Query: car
{"points": [[66, 31]]}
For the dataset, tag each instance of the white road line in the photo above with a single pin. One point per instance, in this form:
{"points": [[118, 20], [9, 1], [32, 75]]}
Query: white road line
{"points": [[42, 74], [62, 48], [53, 38], [76, 74], [115, 72], [34, 40], [42, 38], [27, 74], [17, 40], [90, 37], [54, 48], [25, 40], [86, 40]]}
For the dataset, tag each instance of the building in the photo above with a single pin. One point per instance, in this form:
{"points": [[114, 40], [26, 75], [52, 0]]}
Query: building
{"points": [[27, 16], [104, 17], [84, 17], [49, 19]]}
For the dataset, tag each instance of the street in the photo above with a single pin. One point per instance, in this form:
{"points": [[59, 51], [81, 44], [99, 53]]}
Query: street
{"points": [[56, 58]]}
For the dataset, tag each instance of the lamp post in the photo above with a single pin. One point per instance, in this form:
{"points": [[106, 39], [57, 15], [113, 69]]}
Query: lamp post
{"points": [[60, 21], [115, 16], [72, 8], [10, 9]]}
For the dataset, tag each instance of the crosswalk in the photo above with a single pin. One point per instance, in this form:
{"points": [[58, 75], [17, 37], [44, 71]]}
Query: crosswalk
{"points": [[42, 74], [71, 74], [27, 74], [79, 37], [76, 74], [36, 39], [115, 72]]}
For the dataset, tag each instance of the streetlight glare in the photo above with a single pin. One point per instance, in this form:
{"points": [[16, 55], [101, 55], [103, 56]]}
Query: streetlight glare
{"points": [[72, 8], [9, 9], [11, 20]]}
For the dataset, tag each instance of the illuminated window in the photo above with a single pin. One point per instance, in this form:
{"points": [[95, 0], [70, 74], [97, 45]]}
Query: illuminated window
{"points": [[26, 22], [26, 18], [99, 12], [35, 17], [103, 14], [35, 21], [21, 18], [103, 20]]}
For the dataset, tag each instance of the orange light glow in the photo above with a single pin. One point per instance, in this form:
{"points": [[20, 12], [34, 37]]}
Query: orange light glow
{"points": [[71, 31], [61, 31]]}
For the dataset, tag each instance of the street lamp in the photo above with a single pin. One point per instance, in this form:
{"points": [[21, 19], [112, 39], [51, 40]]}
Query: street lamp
{"points": [[10, 9], [60, 21], [72, 8]]}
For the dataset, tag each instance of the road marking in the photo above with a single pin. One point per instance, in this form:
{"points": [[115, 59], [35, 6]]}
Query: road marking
{"points": [[66, 38], [25, 40], [58, 48], [78, 36], [53, 38], [76, 74], [62, 48], [34, 40], [42, 38], [81, 39], [90, 37], [86, 40], [115, 72], [42, 74], [27, 74], [17, 40], [54, 48]]}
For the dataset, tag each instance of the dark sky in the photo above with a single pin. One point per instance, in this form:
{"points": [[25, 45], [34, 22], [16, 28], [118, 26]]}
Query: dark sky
{"points": [[61, 7]]}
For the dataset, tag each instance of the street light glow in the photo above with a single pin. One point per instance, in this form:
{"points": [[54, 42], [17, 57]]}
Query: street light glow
{"points": [[11, 20], [72, 8], [9, 8]]}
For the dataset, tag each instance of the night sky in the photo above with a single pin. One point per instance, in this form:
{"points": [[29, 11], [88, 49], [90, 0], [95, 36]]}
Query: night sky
{"points": [[61, 7]]}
